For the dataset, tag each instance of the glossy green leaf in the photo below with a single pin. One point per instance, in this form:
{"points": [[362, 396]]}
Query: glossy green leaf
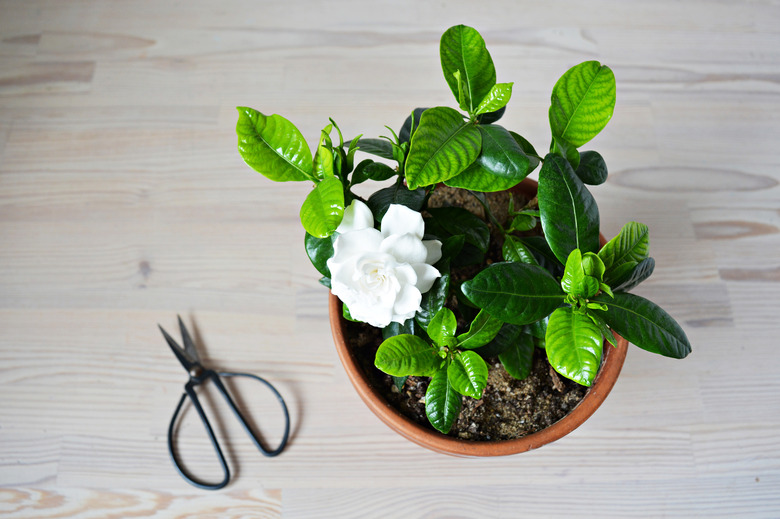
{"points": [[592, 169], [593, 266], [574, 345], [631, 244], [403, 355], [468, 373], [566, 150], [569, 214], [523, 222], [605, 331], [443, 145], [640, 272], [442, 402], [463, 50], [496, 99], [518, 358], [323, 209], [410, 125], [491, 117], [500, 165], [575, 281], [319, 250], [442, 326], [514, 292], [481, 331], [408, 327], [370, 170], [582, 102], [542, 253], [395, 194], [527, 148], [453, 221], [434, 299], [379, 147], [645, 324], [514, 250], [506, 336], [323, 158], [273, 146]]}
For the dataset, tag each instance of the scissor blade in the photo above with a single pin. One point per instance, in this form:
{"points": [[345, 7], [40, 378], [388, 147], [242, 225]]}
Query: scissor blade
{"points": [[189, 344], [178, 351]]}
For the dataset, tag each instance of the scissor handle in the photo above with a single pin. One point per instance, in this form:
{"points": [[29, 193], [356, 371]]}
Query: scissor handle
{"points": [[189, 391]]}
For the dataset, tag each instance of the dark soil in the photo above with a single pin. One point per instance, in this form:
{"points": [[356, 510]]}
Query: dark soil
{"points": [[509, 408]]}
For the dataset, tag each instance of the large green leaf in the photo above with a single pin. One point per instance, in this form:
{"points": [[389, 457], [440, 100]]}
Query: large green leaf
{"points": [[518, 358], [575, 281], [442, 326], [514, 250], [463, 51], [442, 146], [496, 99], [379, 147], [403, 355], [454, 221], [569, 214], [273, 146], [644, 324], [319, 250], [433, 300], [630, 246], [514, 292], [573, 345], [482, 330], [468, 374], [323, 209], [442, 402], [640, 272], [395, 194], [592, 169], [582, 102]]}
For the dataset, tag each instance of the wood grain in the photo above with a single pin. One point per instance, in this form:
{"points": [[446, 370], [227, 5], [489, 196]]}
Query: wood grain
{"points": [[123, 202]]}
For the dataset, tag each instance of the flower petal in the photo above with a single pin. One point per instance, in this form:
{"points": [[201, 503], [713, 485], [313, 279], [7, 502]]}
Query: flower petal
{"points": [[405, 248], [426, 276], [399, 219], [355, 243], [356, 216], [407, 303], [434, 251]]}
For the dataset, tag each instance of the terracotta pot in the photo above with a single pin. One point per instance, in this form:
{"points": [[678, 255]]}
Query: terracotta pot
{"points": [[432, 439]]}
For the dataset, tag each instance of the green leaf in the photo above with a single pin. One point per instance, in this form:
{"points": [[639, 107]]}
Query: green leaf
{"points": [[410, 125], [434, 299], [453, 221], [407, 327], [575, 281], [442, 326], [514, 250], [443, 146], [507, 335], [395, 194], [605, 331], [582, 102], [468, 374], [481, 331], [348, 315], [370, 170], [514, 292], [378, 147], [500, 165], [442, 402], [566, 150], [403, 355], [273, 146], [542, 253], [518, 358], [462, 103], [573, 345], [323, 158], [645, 324], [592, 169], [523, 222], [399, 382], [631, 244], [323, 209], [319, 250], [569, 214], [593, 266], [527, 148], [491, 117], [463, 50], [641, 271], [496, 99]]}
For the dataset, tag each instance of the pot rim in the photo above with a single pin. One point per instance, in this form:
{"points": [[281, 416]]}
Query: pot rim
{"points": [[436, 441]]}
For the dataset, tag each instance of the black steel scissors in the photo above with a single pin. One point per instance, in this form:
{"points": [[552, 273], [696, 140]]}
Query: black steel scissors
{"points": [[188, 356]]}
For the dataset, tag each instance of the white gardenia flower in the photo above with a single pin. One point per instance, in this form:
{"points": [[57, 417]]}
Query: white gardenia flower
{"points": [[381, 275]]}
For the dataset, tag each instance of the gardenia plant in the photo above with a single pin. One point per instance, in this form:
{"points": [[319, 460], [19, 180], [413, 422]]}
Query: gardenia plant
{"points": [[558, 290]]}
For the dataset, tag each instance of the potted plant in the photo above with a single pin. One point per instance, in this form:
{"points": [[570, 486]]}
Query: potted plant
{"points": [[516, 272]]}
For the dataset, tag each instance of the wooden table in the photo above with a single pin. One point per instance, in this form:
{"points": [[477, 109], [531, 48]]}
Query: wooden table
{"points": [[123, 201]]}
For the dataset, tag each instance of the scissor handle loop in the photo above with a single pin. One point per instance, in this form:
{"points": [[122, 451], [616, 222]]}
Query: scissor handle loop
{"points": [[189, 391]]}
